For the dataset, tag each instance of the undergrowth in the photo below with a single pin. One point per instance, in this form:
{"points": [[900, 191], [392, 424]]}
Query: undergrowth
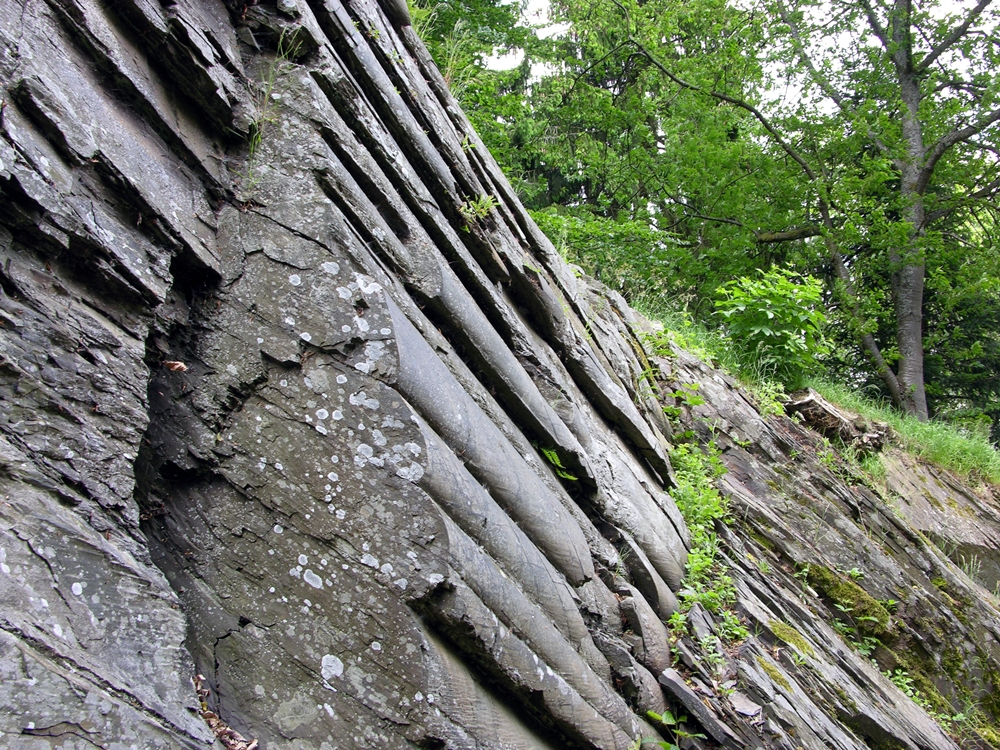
{"points": [[680, 329], [967, 454], [707, 580]]}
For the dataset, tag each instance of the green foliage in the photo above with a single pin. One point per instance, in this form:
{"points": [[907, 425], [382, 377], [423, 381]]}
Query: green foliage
{"points": [[478, 208], [679, 328], [776, 320], [630, 256], [907, 685], [731, 628], [640, 151], [672, 724], [706, 580], [969, 454], [460, 34], [554, 459]]}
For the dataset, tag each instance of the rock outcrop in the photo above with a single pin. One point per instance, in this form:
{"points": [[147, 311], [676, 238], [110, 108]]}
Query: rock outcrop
{"points": [[296, 396]]}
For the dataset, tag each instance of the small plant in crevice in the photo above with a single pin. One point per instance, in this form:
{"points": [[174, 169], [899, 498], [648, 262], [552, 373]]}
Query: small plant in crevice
{"points": [[851, 630], [686, 395], [553, 458], [264, 105], [478, 208], [673, 724], [908, 686]]}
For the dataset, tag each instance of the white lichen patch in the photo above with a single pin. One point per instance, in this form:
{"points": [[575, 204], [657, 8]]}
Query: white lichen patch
{"points": [[331, 667], [367, 284], [362, 399], [411, 473], [312, 579]]}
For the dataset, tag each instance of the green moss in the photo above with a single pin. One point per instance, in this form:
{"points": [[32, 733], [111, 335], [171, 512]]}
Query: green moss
{"points": [[938, 702], [791, 636], [869, 616], [846, 701], [940, 583], [991, 701], [953, 662], [774, 673], [886, 744], [918, 670], [989, 734], [762, 540]]}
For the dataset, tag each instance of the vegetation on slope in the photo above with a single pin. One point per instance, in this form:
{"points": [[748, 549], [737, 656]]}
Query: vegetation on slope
{"points": [[671, 148]]}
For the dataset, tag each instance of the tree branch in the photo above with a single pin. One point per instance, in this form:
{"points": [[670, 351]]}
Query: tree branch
{"points": [[876, 27], [772, 131], [828, 89], [956, 34], [945, 142], [868, 343], [984, 192], [789, 235]]}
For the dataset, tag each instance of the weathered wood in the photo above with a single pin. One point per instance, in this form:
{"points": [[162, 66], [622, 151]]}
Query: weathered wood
{"points": [[835, 423]]}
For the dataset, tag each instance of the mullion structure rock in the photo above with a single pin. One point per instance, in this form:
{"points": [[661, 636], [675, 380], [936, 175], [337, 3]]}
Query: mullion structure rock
{"points": [[279, 409]]}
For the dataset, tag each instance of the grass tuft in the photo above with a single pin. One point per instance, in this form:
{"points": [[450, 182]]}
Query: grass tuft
{"points": [[969, 455]]}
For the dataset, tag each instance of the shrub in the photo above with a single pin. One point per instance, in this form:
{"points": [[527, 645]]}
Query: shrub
{"points": [[776, 322]]}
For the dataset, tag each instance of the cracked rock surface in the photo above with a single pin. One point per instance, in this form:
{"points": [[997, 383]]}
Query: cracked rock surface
{"points": [[279, 409]]}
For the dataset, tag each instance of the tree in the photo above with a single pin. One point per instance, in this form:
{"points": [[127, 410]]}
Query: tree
{"points": [[916, 88], [670, 112], [855, 139]]}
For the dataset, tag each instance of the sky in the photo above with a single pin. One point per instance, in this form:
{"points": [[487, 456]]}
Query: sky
{"points": [[537, 14]]}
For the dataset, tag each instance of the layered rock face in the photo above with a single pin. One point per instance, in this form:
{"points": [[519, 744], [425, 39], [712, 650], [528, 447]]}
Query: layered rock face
{"points": [[297, 397]]}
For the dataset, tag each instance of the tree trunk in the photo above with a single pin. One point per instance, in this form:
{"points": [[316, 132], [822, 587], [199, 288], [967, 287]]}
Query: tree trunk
{"points": [[909, 338], [908, 266]]}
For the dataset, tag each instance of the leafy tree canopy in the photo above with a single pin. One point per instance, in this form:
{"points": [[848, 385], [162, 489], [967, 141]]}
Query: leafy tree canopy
{"points": [[678, 145]]}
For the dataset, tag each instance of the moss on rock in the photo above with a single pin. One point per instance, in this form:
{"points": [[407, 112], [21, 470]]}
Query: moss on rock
{"points": [[869, 615], [791, 636], [774, 673]]}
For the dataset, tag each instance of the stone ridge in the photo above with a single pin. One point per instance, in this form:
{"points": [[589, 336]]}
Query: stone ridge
{"points": [[297, 397]]}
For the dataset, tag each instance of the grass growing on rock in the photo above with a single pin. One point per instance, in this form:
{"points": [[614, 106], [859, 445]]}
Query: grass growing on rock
{"points": [[967, 454]]}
